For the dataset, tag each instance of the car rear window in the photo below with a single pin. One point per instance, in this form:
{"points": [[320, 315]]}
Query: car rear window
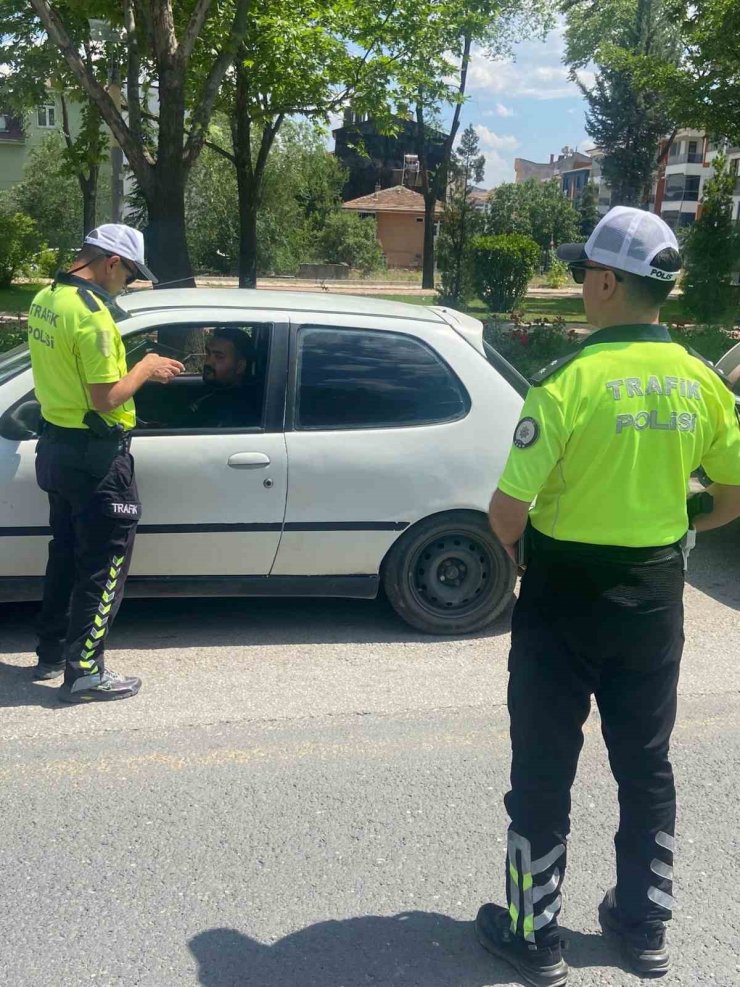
{"points": [[510, 374], [14, 362], [357, 378]]}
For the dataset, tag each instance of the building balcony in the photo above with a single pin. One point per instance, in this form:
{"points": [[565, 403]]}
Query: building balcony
{"points": [[681, 195], [688, 157]]}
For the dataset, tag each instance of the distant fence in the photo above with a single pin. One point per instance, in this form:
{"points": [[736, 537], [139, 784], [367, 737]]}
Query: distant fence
{"points": [[324, 272]]}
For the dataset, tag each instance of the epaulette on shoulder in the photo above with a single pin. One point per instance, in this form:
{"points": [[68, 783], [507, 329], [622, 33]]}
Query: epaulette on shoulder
{"points": [[553, 367], [708, 363], [89, 299]]}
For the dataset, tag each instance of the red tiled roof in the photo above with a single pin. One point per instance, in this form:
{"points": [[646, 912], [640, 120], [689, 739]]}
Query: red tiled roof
{"points": [[396, 199]]}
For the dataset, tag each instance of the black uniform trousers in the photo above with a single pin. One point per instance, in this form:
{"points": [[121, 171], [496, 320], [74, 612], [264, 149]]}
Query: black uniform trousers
{"points": [[605, 622], [93, 512]]}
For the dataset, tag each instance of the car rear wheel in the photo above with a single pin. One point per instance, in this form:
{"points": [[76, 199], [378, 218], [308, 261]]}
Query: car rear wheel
{"points": [[449, 574]]}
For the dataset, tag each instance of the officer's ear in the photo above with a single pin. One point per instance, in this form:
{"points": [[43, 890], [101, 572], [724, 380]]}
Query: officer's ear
{"points": [[609, 285]]}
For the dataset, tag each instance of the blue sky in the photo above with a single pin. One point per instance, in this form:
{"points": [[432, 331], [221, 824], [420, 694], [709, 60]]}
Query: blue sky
{"points": [[524, 107]]}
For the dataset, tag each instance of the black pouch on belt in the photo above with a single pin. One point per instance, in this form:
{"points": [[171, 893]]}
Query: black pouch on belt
{"points": [[104, 444]]}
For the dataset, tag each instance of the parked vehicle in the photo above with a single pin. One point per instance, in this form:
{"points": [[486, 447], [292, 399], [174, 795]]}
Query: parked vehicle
{"points": [[373, 436]]}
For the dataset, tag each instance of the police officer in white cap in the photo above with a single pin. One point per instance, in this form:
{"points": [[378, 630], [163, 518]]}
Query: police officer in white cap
{"points": [[83, 460], [608, 438]]}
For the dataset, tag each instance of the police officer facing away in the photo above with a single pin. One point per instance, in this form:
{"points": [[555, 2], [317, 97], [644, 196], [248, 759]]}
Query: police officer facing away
{"points": [[83, 460], [606, 443]]}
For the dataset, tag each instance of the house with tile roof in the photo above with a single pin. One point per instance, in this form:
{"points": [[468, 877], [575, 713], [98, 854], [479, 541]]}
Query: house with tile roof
{"points": [[399, 217]]}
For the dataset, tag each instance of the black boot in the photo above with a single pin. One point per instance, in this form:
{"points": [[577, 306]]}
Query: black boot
{"points": [[538, 966], [643, 946]]}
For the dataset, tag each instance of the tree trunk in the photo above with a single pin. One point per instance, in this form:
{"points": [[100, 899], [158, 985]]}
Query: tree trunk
{"points": [[167, 246], [248, 205], [89, 188], [427, 266]]}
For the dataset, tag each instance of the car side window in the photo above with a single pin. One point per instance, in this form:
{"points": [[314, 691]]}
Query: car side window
{"points": [[224, 383], [360, 378]]}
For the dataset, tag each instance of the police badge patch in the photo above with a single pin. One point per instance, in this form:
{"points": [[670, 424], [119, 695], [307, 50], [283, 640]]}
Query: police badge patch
{"points": [[526, 433]]}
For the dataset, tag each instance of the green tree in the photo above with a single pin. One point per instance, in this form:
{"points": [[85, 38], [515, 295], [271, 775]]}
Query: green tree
{"points": [[34, 68], [712, 253], [533, 208], [460, 220], [51, 196], [432, 76], [628, 123], [19, 241], [588, 210], [701, 88], [301, 189], [300, 58], [161, 42], [503, 267]]}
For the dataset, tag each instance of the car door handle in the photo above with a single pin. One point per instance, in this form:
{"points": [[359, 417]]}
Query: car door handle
{"points": [[248, 461]]}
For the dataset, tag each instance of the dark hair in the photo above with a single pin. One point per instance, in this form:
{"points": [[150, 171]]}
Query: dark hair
{"points": [[651, 292], [241, 342], [89, 252]]}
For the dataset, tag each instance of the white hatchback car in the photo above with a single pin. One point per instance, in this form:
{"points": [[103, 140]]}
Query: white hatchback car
{"points": [[372, 437]]}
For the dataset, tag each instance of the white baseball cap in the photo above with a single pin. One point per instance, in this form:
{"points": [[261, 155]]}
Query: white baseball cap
{"points": [[123, 241], [627, 239]]}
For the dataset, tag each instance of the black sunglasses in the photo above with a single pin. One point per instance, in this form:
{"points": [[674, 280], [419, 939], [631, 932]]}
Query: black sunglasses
{"points": [[133, 274], [578, 270]]}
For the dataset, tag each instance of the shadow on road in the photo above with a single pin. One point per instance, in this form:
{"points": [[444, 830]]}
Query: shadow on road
{"points": [[416, 949], [714, 565], [209, 622]]}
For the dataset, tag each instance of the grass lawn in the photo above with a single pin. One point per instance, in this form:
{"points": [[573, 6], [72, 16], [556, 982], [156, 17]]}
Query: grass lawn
{"points": [[17, 297]]}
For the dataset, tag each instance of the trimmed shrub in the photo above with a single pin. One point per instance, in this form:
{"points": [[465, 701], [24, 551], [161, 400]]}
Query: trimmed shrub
{"points": [[502, 268], [347, 239]]}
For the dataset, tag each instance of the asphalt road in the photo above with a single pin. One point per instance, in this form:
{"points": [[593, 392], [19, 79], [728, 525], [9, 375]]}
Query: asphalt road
{"points": [[308, 794]]}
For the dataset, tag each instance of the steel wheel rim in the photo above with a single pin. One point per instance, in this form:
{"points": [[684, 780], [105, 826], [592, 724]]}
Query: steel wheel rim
{"points": [[449, 575]]}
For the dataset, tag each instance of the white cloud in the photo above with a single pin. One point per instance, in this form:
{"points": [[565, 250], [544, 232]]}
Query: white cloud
{"points": [[499, 168], [503, 111], [491, 141], [537, 71]]}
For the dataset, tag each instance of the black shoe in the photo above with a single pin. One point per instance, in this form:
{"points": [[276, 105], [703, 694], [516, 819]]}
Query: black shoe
{"points": [[539, 966], [103, 687], [45, 670], [643, 946]]}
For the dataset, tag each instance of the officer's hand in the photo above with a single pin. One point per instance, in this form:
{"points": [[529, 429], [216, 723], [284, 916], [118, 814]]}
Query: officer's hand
{"points": [[161, 368]]}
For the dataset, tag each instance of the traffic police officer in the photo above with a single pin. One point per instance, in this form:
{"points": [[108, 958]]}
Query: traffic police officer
{"points": [[606, 443], [83, 460]]}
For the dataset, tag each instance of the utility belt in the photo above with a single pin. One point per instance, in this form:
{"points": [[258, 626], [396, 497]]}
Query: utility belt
{"points": [[98, 444], [535, 544]]}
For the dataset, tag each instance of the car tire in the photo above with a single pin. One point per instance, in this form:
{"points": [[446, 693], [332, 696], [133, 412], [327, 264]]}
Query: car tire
{"points": [[449, 574]]}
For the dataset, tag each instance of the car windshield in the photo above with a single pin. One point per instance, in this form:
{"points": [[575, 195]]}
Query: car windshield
{"points": [[510, 374], [14, 362]]}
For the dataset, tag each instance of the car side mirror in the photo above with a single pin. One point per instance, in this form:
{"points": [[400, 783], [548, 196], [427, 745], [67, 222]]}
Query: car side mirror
{"points": [[21, 421]]}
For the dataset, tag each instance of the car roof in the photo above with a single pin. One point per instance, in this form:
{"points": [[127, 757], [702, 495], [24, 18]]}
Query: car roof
{"points": [[148, 300]]}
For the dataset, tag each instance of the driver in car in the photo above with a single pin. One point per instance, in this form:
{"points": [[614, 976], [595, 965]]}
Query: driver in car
{"points": [[226, 402]]}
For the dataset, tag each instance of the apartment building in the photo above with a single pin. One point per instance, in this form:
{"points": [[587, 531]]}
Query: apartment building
{"points": [[688, 166], [571, 167], [19, 135]]}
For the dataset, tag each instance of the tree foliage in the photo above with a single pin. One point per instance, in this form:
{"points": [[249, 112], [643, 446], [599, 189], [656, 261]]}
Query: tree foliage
{"points": [[49, 192], [712, 253], [348, 239], [461, 221], [588, 210], [701, 87], [19, 240], [300, 191], [535, 209], [625, 120]]}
